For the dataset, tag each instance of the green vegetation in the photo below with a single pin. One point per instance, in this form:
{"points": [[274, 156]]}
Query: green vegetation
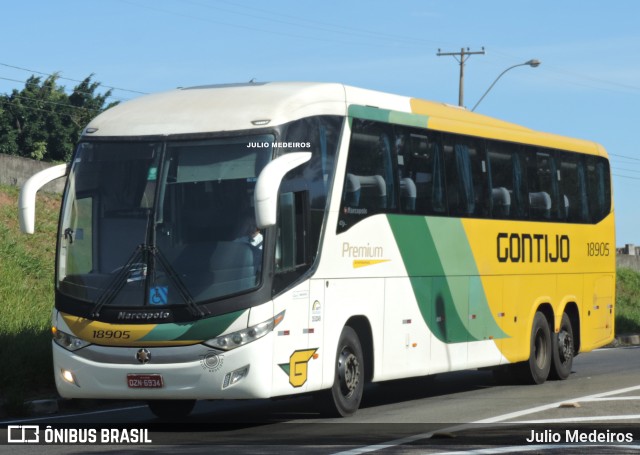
{"points": [[26, 299], [43, 122], [628, 302]]}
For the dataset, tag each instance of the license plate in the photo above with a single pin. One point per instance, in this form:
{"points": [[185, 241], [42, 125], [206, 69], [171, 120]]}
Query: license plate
{"points": [[145, 381]]}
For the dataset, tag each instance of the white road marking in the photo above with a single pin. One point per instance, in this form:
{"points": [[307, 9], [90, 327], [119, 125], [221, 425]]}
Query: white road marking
{"points": [[584, 419], [546, 407], [64, 416], [516, 449], [626, 398], [491, 420]]}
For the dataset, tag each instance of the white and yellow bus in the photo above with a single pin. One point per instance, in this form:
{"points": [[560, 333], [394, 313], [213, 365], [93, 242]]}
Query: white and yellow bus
{"points": [[261, 240]]}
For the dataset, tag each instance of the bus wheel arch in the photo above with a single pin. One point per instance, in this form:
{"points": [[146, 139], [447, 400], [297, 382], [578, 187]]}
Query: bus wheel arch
{"points": [[351, 370], [571, 310], [363, 329]]}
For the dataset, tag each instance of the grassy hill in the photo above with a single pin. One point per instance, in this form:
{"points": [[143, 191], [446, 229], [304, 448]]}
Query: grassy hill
{"points": [[26, 299]]}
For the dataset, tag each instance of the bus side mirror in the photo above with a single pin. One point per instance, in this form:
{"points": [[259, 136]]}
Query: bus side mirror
{"points": [[27, 199], [266, 194]]}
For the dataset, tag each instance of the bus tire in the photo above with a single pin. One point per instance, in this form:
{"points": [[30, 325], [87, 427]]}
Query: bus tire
{"points": [[344, 397], [171, 409], [536, 369], [563, 350]]}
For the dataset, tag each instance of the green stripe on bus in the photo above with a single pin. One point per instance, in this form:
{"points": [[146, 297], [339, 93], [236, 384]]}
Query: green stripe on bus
{"points": [[444, 278], [457, 259], [201, 330], [388, 116]]}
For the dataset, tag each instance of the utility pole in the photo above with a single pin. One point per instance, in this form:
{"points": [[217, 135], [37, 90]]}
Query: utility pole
{"points": [[461, 57]]}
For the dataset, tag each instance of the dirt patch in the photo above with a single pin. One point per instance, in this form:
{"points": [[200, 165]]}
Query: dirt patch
{"points": [[6, 200]]}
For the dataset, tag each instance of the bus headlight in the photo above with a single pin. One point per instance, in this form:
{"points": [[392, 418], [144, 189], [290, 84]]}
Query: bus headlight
{"points": [[67, 341], [245, 336]]}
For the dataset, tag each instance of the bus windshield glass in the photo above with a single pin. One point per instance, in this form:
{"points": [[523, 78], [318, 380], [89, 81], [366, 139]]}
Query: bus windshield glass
{"points": [[161, 223]]}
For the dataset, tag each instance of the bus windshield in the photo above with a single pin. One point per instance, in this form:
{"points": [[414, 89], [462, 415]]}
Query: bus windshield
{"points": [[161, 223]]}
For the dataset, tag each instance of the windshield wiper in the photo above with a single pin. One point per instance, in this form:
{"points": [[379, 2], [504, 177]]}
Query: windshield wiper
{"points": [[196, 310], [117, 283], [146, 255]]}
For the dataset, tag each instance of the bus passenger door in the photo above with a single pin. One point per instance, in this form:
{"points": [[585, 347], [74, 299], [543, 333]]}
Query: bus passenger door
{"points": [[294, 357]]}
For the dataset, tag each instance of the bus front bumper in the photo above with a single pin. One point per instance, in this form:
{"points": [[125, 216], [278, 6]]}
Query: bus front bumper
{"points": [[186, 372]]}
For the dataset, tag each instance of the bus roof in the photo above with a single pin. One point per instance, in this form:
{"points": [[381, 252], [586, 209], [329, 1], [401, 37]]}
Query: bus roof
{"points": [[231, 107]]}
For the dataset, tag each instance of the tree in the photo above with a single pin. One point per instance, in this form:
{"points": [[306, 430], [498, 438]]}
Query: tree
{"points": [[42, 122]]}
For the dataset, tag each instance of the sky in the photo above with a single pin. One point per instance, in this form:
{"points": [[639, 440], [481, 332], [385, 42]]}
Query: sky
{"points": [[587, 86]]}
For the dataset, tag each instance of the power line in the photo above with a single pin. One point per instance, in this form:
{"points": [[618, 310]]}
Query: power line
{"points": [[624, 156], [244, 27], [279, 32], [72, 91], [625, 169], [118, 98], [31, 108], [55, 104], [12, 80], [616, 87], [67, 78], [626, 177], [306, 23]]}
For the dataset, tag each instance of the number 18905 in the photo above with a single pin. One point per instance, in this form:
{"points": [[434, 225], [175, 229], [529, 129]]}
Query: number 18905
{"points": [[597, 249]]}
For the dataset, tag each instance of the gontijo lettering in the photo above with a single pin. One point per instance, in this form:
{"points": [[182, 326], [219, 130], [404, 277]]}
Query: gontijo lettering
{"points": [[532, 247]]}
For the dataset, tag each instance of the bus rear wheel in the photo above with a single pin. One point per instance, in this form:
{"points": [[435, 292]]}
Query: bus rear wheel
{"points": [[343, 399], [536, 369], [171, 409], [563, 350]]}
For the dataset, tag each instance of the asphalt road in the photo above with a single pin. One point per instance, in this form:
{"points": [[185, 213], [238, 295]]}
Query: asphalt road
{"points": [[459, 412]]}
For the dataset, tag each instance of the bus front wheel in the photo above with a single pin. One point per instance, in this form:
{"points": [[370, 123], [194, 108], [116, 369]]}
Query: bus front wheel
{"points": [[536, 369], [345, 395]]}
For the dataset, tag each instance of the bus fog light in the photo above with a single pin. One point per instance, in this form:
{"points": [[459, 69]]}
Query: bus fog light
{"points": [[69, 377], [235, 376]]}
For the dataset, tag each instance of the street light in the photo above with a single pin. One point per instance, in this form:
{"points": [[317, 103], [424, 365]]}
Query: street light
{"points": [[532, 63]]}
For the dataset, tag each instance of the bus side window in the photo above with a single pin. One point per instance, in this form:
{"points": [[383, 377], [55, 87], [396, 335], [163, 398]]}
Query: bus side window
{"points": [[79, 236], [291, 241], [573, 188], [369, 185], [599, 188], [519, 201], [543, 187], [500, 176], [465, 171], [407, 190], [506, 177], [421, 174], [292, 253]]}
